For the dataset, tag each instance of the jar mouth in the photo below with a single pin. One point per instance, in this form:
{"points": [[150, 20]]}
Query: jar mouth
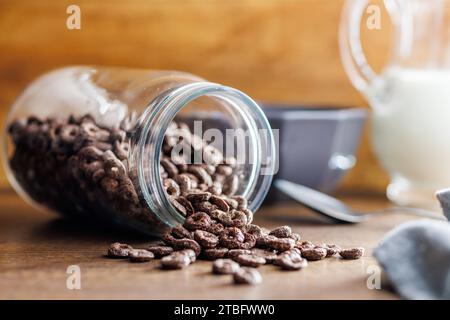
{"points": [[158, 117]]}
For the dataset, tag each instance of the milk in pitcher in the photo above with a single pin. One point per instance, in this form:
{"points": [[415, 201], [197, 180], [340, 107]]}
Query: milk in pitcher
{"points": [[411, 132]]}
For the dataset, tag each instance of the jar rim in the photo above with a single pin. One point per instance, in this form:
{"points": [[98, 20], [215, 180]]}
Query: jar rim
{"points": [[157, 118]]}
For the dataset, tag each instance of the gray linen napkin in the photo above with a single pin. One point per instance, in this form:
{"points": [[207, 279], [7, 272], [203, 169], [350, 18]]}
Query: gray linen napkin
{"points": [[444, 197], [416, 256]]}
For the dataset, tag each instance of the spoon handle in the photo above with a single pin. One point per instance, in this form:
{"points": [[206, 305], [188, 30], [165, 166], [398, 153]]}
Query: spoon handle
{"points": [[337, 210], [408, 210], [319, 202]]}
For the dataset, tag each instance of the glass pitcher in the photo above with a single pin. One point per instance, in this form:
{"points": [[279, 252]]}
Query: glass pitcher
{"points": [[410, 98]]}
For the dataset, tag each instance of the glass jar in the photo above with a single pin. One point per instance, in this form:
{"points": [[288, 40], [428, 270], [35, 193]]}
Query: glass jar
{"points": [[87, 142]]}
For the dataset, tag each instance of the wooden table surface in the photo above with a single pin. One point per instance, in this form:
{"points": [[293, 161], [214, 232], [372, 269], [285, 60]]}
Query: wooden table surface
{"points": [[36, 249]]}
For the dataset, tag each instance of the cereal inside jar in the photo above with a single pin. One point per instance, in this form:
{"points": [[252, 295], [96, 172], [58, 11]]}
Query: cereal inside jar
{"points": [[142, 149]]}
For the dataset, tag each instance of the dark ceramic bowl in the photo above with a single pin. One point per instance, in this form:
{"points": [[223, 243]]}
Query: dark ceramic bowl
{"points": [[317, 146]]}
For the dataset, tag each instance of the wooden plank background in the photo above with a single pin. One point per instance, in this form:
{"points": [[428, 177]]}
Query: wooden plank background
{"points": [[274, 50]]}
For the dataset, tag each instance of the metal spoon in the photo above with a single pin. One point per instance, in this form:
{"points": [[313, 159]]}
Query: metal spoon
{"points": [[336, 209]]}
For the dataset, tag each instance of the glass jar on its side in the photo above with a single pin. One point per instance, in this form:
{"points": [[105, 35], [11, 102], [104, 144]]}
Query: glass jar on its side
{"points": [[87, 142]]}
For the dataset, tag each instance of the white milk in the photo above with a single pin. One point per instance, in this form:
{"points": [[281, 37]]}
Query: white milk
{"points": [[411, 130]]}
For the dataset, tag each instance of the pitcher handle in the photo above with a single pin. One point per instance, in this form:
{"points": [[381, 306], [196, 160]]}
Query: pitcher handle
{"points": [[355, 63]]}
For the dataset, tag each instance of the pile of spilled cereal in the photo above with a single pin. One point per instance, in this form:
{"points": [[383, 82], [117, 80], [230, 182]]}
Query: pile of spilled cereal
{"points": [[218, 225]]}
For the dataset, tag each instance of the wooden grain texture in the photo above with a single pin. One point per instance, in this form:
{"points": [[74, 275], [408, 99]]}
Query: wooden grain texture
{"points": [[36, 248], [275, 50]]}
